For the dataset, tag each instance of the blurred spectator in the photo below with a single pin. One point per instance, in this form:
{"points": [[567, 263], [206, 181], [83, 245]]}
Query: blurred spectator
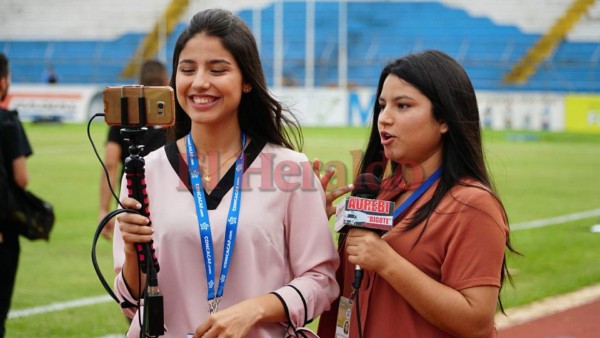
{"points": [[50, 76], [14, 149]]}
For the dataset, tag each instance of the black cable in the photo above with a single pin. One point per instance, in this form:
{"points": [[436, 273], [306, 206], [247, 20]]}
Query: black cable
{"points": [[89, 134], [102, 224], [358, 276], [106, 218], [358, 313]]}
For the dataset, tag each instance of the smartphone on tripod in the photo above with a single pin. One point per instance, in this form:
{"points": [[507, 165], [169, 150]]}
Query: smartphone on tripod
{"points": [[152, 105]]}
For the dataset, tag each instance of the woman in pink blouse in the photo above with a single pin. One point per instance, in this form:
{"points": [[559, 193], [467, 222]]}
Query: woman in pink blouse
{"points": [[237, 216]]}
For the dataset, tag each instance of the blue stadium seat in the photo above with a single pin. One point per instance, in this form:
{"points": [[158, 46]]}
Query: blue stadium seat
{"points": [[377, 33]]}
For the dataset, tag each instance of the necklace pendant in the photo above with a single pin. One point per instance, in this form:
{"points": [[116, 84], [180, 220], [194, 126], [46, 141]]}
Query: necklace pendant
{"points": [[207, 178]]}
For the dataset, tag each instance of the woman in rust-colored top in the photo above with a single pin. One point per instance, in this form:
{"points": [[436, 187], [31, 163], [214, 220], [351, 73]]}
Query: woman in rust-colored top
{"points": [[439, 271]]}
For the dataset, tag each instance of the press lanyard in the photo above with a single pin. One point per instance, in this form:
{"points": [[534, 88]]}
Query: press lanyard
{"points": [[413, 197], [204, 222]]}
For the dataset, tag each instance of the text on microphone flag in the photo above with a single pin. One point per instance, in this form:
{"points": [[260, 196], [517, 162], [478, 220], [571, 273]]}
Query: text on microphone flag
{"points": [[364, 204]]}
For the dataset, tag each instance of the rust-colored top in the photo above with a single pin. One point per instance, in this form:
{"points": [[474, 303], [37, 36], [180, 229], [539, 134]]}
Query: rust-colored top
{"points": [[462, 247]]}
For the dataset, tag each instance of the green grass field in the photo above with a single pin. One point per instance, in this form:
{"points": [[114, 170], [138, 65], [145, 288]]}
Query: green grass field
{"points": [[544, 176]]}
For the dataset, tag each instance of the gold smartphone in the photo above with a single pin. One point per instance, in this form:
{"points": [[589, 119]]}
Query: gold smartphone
{"points": [[158, 100]]}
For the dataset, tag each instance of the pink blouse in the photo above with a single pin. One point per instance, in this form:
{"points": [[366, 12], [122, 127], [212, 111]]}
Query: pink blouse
{"points": [[284, 244]]}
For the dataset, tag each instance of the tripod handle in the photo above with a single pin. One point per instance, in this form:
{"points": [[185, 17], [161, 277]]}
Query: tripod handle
{"points": [[136, 188]]}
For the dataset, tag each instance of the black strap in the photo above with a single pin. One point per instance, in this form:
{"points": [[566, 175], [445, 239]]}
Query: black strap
{"points": [[303, 303]]}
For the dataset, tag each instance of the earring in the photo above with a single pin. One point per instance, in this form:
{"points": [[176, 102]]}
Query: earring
{"points": [[247, 90]]}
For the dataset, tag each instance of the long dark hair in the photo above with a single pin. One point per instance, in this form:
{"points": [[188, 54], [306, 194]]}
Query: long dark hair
{"points": [[260, 116], [446, 84]]}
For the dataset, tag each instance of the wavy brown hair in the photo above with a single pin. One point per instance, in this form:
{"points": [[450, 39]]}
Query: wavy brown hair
{"points": [[260, 115]]}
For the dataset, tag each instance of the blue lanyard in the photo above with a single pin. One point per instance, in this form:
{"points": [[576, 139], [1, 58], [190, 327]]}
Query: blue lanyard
{"points": [[413, 197], [204, 222]]}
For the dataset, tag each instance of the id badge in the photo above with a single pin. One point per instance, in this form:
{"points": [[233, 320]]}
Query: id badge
{"points": [[342, 327]]}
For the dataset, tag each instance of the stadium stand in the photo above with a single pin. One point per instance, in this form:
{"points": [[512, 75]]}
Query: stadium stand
{"points": [[487, 39]]}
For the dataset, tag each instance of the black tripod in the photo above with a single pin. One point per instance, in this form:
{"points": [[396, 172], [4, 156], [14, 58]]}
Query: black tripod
{"points": [[148, 263]]}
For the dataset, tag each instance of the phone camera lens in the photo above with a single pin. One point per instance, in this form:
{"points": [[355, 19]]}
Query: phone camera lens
{"points": [[161, 105]]}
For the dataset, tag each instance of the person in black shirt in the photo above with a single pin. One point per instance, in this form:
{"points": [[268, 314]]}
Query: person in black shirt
{"points": [[14, 149]]}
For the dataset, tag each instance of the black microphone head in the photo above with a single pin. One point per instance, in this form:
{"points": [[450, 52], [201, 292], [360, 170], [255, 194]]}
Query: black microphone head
{"points": [[366, 185]]}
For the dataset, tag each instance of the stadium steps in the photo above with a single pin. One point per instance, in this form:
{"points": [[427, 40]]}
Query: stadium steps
{"points": [[96, 49], [164, 26], [526, 66]]}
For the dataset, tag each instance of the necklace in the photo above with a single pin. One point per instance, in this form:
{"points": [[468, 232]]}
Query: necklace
{"points": [[207, 176], [406, 186]]}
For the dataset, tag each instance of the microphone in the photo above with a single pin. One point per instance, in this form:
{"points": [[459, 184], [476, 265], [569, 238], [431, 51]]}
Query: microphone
{"points": [[362, 211]]}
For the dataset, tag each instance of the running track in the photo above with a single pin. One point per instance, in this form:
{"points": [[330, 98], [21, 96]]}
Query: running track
{"points": [[575, 315]]}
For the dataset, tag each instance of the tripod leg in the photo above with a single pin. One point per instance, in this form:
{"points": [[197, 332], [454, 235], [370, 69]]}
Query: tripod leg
{"points": [[136, 187]]}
